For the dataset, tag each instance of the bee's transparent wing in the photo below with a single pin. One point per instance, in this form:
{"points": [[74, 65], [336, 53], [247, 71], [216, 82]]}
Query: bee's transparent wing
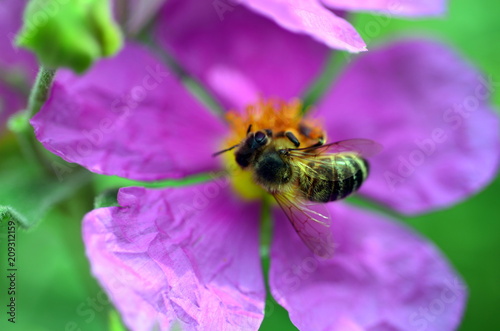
{"points": [[311, 221], [362, 147]]}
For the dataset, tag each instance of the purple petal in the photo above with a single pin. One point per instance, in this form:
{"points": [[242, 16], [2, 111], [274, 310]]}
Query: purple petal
{"points": [[186, 256], [11, 12], [311, 18], [129, 116], [239, 55], [429, 109], [391, 7], [17, 67], [382, 277]]}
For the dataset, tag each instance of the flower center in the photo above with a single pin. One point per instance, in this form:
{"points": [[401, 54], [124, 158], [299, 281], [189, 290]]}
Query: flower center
{"points": [[278, 116]]}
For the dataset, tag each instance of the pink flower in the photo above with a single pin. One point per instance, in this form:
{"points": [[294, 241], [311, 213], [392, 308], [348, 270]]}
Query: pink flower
{"points": [[189, 256]]}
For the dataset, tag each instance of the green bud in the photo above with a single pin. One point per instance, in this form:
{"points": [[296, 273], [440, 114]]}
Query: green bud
{"points": [[19, 122], [69, 33]]}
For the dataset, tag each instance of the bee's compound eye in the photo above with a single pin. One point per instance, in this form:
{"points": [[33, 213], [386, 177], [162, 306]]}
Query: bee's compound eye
{"points": [[260, 138]]}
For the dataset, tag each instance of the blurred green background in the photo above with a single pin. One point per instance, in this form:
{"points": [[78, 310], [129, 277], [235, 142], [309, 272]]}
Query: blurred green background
{"points": [[56, 291]]}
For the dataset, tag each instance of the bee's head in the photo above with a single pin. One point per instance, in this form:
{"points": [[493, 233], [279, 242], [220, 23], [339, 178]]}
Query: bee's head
{"points": [[256, 140], [252, 145]]}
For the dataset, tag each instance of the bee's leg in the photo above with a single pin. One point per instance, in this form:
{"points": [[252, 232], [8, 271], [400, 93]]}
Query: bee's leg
{"points": [[321, 142], [292, 138]]}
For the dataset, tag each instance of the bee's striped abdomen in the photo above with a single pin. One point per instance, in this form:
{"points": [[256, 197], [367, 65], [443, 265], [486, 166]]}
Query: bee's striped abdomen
{"points": [[345, 175]]}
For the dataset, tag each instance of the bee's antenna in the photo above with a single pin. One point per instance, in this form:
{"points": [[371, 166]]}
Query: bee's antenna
{"points": [[249, 129], [225, 150]]}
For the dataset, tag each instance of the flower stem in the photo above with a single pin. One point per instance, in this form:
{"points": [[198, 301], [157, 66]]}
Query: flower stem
{"points": [[40, 90], [19, 123]]}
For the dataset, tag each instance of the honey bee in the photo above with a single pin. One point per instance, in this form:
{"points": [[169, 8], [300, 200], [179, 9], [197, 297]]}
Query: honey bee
{"points": [[303, 179]]}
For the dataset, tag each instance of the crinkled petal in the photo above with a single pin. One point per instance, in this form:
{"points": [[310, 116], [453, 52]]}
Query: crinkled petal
{"points": [[186, 256], [311, 18], [17, 67], [129, 116], [382, 277], [429, 109], [239, 56], [390, 7]]}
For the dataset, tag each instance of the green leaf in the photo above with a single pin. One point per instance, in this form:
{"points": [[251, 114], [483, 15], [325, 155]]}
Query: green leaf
{"points": [[275, 316], [28, 193], [115, 323], [70, 34], [53, 275]]}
